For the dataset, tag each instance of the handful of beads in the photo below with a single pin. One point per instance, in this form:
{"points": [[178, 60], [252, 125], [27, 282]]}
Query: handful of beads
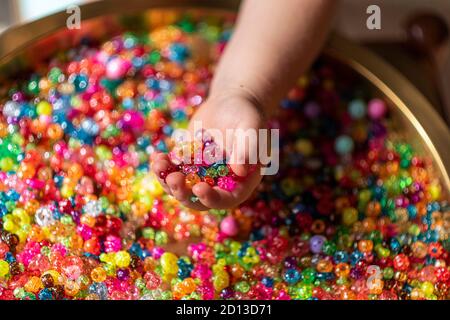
{"points": [[201, 160]]}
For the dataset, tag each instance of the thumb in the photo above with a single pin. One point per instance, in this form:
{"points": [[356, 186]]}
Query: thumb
{"points": [[244, 155]]}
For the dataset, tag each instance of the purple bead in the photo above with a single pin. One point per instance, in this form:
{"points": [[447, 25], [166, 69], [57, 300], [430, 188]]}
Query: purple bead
{"points": [[316, 243], [290, 262], [122, 274], [227, 293], [312, 110]]}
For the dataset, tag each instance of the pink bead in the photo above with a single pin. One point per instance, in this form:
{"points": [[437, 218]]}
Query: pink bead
{"points": [[84, 231], [376, 108], [226, 183], [229, 226], [117, 68], [112, 244], [132, 120]]}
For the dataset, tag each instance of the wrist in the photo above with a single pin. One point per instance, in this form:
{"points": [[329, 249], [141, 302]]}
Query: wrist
{"points": [[229, 94]]}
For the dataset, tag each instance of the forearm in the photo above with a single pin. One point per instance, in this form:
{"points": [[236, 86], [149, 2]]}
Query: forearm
{"points": [[273, 43]]}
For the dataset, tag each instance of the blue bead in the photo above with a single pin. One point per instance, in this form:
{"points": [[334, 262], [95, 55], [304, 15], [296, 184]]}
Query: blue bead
{"points": [[344, 145], [145, 254], [128, 103], [178, 52], [80, 82], [355, 257], [267, 281], [412, 211], [340, 256], [13, 195], [165, 85], [395, 245], [167, 130], [357, 108], [10, 257], [137, 62], [291, 276], [152, 84], [45, 294], [58, 180]]}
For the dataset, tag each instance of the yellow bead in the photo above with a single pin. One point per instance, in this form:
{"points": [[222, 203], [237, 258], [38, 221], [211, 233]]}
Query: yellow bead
{"points": [[67, 191], [304, 147], [427, 288], [6, 164], [221, 281], [435, 191], [44, 108], [169, 263], [22, 215], [122, 259], [349, 216], [4, 268], [9, 225], [57, 277]]}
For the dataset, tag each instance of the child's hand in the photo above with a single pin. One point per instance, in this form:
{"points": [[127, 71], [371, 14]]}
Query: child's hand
{"points": [[233, 110]]}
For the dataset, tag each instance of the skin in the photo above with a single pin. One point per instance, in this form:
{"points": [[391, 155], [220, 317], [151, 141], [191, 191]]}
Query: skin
{"points": [[259, 65]]}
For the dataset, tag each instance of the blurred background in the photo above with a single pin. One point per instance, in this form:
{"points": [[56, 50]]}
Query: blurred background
{"points": [[414, 36]]}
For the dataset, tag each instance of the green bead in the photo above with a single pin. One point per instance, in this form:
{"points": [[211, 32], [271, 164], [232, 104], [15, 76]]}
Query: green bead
{"points": [[329, 248], [304, 291], [211, 172], [66, 219], [388, 273], [222, 170], [33, 87], [55, 75], [154, 57], [148, 233], [161, 238], [308, 275], [242, 286]]}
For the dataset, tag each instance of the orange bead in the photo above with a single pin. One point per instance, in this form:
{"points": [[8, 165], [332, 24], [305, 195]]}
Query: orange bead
{"points": [[88, 220], [191, 180], [98, 274], [26, 170], [365, 246], [71, 288], [75, 172], [55, 132], [342, 270], [34, 284], [36, 234], [3, 130], [324, 266], [188, 285], [373, 209], [318, 226]]}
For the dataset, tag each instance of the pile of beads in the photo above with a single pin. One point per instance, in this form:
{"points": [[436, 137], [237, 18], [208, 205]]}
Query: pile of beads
{"points": [[354, 212], [202, 165]]}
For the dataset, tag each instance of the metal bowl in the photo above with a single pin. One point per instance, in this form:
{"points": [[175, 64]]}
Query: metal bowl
{"points": [[30, 44]]}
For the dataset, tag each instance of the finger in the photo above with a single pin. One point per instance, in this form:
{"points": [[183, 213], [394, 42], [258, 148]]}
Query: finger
{"points": [[157, 168], [198, 206], [155, 156], [177, 186], [214, 197], [244, 154]]}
